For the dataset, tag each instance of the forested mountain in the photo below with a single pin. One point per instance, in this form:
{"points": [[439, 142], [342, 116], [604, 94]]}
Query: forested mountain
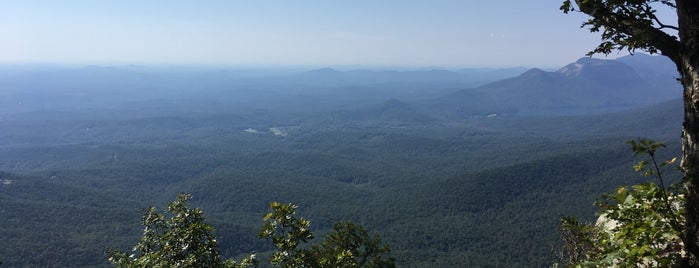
{"points": [[660, 71], [585, 87], [450, 180]]}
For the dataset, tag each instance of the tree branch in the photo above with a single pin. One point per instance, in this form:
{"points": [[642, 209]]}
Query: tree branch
{"points": [[662, 26], [629, 25]]}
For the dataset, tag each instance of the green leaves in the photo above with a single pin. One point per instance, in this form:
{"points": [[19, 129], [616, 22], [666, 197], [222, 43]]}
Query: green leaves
{"points": [[287, 233], [578, 241], [639, 225], [567, 6], [626, 24], [347, 245], [643, 146], [350, 245], [634, 228], [643, 228], [182, 239]]}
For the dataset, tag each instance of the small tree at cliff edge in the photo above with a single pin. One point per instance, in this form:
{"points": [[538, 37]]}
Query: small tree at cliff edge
{"points": [[633, 25]]}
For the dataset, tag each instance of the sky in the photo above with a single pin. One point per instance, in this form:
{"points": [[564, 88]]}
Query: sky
{"points": [[440, 33]]}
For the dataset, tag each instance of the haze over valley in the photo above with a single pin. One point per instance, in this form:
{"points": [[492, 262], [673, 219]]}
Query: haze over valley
{"points": [[466, 167], [409, 133]]}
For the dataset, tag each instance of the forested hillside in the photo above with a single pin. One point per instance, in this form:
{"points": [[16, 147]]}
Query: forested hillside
{"points": [[443, 187]]}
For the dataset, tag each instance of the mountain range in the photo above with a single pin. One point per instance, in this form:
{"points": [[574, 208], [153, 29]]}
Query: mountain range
{"points": [[451, 168], [587, 86]]}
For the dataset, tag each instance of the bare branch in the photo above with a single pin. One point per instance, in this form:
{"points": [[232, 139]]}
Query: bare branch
{"points": [[662, 26]]}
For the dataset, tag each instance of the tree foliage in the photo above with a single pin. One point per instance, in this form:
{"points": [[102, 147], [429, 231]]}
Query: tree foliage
{"points": [[351, 245], [182, 239], [347, 245], [626, 24], [633, 230], [638, 226], [287, 233], [633, 24], [577, 241]]}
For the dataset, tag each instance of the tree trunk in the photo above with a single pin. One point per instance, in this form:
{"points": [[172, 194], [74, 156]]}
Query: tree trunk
{"points": [[690, 165], [688, 66]]}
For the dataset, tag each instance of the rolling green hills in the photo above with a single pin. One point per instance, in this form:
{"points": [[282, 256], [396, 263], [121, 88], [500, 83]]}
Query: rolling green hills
{"points": [[443, 189]]}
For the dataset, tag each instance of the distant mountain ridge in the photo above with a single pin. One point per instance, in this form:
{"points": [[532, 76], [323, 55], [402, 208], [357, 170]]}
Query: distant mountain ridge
{"points": [[587, 86], [657, 70], [364, 76]]}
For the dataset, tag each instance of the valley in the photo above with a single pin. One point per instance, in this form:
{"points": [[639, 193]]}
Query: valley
{"points": [[417, 156]]}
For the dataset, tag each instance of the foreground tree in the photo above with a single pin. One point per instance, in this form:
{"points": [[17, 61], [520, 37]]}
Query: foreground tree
{"points": [[632, 25], [183, 239], [351, 245], [632, 231], [346, 246], [638, 226]]}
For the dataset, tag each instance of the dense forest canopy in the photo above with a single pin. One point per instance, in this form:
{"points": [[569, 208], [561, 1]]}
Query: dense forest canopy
{"points": [[444, 173]]}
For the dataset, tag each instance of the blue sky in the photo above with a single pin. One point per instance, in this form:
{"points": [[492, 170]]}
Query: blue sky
{"points": [[444, 33]]}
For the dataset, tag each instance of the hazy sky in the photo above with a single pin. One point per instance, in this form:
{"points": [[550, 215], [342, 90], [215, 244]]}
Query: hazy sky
{"points": [[445, 33]]}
